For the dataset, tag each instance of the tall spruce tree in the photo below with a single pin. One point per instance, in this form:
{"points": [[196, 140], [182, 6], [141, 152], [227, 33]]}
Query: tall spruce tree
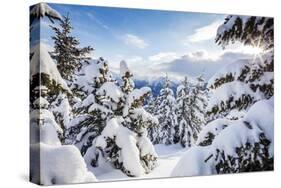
{"points": [[166, 114], [183, 132], [190, 108], [198, 103], [151, 108], [67, 53]]}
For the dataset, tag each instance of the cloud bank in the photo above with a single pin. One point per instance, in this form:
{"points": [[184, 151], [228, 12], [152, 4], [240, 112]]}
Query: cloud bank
{"points": [[199, 62]]}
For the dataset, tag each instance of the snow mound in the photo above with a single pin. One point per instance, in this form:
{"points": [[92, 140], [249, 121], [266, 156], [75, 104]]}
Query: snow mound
{"points": [[193, 163], [42, 62], [60, 165]]}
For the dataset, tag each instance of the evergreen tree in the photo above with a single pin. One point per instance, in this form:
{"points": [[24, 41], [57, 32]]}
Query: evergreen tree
{"points": [[198, 103], [166, 114], [245, 81], [47, 83], [126, 127], [92, 111], [67, 53], [242, 91], [127, 81], [191, 103], [184, 133], [152, 108]]}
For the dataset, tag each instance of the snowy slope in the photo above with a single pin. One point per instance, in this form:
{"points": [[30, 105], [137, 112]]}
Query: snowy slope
{"points": [[168, 157], [60, 165]]}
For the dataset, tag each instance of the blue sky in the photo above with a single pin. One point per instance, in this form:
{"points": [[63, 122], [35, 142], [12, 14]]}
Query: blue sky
{"points": [[152, 42]]}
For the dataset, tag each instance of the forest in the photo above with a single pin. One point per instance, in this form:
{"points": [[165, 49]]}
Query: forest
{"points": [[89, 123]]}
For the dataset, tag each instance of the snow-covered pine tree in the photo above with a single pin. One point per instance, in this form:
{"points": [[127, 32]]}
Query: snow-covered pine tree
{"points": [[256, 32], [151, 108], [127, 84], [137, 118], [166, 114], [67, 53], [258, 76], [242, 92], [250, 80], [244, 145], [91, 111], [124, 140], [183, 131], [198, 103], [191, 103], [44, 74]]}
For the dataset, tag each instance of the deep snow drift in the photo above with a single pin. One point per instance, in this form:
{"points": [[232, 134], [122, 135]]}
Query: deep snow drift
{"points": [[168, 157]]}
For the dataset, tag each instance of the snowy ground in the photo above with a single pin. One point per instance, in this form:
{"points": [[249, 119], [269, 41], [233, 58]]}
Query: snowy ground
{"points": [[168, 158]]}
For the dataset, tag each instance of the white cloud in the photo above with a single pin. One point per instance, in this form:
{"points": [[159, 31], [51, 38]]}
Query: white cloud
{"points": [[163, 57], [204, 33], [199, 62], [135, 41], [134, 59]]}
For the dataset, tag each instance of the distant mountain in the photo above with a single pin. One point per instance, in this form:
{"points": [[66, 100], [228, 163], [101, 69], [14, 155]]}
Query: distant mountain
{"points": [[156, 85]]}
